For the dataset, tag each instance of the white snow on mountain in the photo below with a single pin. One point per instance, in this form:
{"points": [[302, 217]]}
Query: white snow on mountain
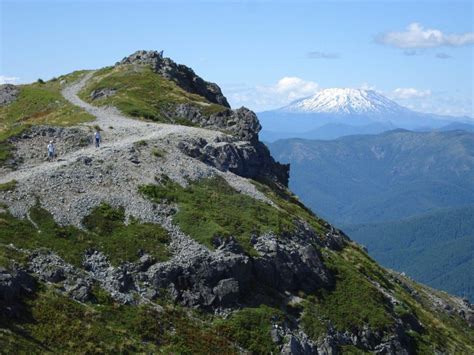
{"points": [[346, 101]]}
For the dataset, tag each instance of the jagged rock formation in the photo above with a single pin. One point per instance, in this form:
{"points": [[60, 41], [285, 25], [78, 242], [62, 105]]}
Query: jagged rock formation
{"points": [[241, 123], [8, 94], [179, 73], [239, 157]]}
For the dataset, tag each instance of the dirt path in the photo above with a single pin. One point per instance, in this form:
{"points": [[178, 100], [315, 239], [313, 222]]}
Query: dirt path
{"points": [[118, 132]]}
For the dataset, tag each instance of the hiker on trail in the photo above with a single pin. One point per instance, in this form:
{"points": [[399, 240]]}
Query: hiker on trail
{"points": [[97, 138], [51, 151]]}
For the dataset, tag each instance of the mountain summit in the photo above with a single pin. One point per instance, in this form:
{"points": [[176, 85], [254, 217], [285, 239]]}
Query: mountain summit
{"points": [[346, 101]]}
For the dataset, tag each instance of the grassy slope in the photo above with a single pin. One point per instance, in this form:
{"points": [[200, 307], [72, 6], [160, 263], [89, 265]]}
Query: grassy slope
{"points": [[144, 94], [211, 208], [106, 232], [354, 301], [53, 323], [38, 103]]}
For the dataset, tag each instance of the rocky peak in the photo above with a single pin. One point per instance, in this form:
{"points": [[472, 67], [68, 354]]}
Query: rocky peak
{"points": [[179, 73]]}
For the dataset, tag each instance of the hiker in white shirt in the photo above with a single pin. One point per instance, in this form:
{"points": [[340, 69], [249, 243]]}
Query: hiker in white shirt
{"points": [[51, 151]]}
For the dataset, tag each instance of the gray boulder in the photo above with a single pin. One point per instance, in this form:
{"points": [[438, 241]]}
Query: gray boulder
{"points": [[102, 93], [227, 291], [206, 280], [8, 94]]}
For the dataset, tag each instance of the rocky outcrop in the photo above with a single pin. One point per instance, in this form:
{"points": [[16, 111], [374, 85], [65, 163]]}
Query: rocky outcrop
{"points": [[117, 281], [102, 93], [251, 160], [195, 277], [289, 264], [242, 123], [71, 281], [8, 94], [180, 74]]}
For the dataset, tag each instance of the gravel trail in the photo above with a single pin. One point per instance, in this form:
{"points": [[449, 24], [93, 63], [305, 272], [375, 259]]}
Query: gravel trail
{"points": [[118, 132]]}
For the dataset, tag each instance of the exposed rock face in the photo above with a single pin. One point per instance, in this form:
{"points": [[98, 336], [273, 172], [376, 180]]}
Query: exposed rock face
{"points": [[289, 264], [252, 160], [118, 281], [181, 74], [220, 279], [241, 123], [248, 157], [8, 94]]}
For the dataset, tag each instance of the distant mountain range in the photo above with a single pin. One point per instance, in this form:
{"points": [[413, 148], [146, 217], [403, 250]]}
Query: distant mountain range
{"points": [[333, 113], [374, 185]]}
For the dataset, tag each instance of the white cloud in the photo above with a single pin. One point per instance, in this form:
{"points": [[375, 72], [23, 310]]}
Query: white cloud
{"points": [[416, 36], [441, 103], [264, 97], [8, 79], [409, 93], [292, 87]]}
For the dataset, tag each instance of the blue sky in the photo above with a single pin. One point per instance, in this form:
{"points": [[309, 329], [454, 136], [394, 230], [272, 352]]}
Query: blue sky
{"points": [[263, 54]]}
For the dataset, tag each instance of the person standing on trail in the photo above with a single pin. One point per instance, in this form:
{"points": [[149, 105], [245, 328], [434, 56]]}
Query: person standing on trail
{"points": [[51, 151], [97, 138]]}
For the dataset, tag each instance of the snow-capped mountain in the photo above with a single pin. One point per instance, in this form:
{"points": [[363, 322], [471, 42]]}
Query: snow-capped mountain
{"points": [[346, 101], [336, 112]]}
